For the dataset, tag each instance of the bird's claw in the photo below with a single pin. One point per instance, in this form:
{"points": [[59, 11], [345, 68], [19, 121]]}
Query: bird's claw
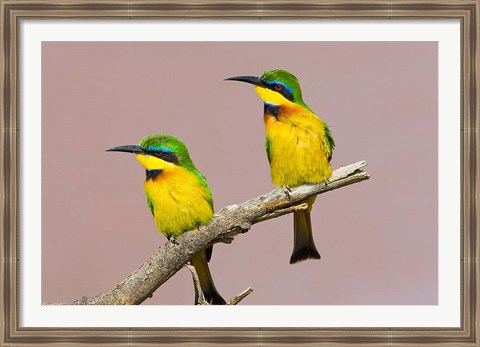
{"points": [[287, 190], [174, 241]]}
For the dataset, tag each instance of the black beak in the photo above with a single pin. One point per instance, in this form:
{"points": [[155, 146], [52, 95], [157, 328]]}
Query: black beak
{"points": [[248, 79], [127, 148]]}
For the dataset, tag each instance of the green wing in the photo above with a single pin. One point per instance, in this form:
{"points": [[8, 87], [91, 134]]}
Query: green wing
{"points": [[267, 148], [150, 205], [330, 142], [203, 181], [209, 197]]}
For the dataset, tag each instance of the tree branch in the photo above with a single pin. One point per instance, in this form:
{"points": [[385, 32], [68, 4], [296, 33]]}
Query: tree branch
{"points": [[228, 223], [199, 294]]}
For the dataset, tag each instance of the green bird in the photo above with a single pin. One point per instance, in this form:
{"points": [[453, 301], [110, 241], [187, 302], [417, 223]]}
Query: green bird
{"points": [[178, 196], [299, 146]]}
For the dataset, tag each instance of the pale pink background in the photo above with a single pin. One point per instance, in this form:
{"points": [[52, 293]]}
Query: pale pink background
{"points": [[378, 239]]}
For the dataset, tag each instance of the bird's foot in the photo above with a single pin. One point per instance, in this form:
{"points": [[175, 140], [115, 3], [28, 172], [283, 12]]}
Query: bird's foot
{"points": [[287, 190], [326, 183], [174, 241]]}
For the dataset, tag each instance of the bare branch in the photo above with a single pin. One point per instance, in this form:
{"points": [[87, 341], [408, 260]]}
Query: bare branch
{"points": [[228, 223], [201, 298], [283, 211], [236, 299]]}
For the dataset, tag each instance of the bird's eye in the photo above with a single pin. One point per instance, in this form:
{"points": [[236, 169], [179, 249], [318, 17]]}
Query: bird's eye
{"points": [[155, 153], [278, 87]]}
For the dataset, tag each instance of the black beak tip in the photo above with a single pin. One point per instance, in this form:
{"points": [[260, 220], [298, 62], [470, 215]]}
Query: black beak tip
{"points": [[247, 79], [127, 149]]}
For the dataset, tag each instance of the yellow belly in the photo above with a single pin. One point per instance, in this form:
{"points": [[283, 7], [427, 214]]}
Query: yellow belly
{"points": [[298, 152], [179, 202]]}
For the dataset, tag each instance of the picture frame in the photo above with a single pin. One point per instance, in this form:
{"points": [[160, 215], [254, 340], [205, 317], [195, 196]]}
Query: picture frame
{"points": [[16, 11]]}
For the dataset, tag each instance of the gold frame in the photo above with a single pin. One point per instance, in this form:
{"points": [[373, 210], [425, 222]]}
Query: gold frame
{"points": [[13, 11]]}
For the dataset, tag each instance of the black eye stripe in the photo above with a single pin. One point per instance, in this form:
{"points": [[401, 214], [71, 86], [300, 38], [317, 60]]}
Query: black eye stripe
{"points": [[169, 157]]}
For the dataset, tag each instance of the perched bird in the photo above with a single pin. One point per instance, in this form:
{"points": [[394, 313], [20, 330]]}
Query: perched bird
{"points": [[299, 146], [178, 196]]}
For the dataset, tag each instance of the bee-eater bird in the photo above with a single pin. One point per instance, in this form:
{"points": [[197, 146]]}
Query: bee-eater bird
{"points": [[299, 146], [178, 196]]}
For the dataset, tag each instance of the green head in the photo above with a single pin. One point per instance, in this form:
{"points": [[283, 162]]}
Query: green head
{"points": [[275, 87], [165, 156], [159, 152]]}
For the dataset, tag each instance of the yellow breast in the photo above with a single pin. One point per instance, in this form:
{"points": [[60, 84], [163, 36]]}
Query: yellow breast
{"points": [[179, 202], [298, 149]]}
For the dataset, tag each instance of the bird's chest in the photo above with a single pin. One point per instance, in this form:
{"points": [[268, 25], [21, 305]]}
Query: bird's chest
{"points": [[296, 150], [178, 203]]}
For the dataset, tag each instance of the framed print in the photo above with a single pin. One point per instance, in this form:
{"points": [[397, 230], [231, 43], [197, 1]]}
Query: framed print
{"points": [[395, 82]]}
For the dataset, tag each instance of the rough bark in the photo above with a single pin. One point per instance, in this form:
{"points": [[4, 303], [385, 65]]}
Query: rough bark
{"points": [[226, 224]]}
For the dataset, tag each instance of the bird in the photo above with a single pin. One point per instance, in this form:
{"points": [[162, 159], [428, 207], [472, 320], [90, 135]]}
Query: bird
{"points": [[178, 196], [299, 147]]}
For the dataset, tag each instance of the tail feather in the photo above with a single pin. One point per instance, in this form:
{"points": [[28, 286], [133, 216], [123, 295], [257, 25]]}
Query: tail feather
{"points": [[208, 252], [212, 296], [303, 244]]}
